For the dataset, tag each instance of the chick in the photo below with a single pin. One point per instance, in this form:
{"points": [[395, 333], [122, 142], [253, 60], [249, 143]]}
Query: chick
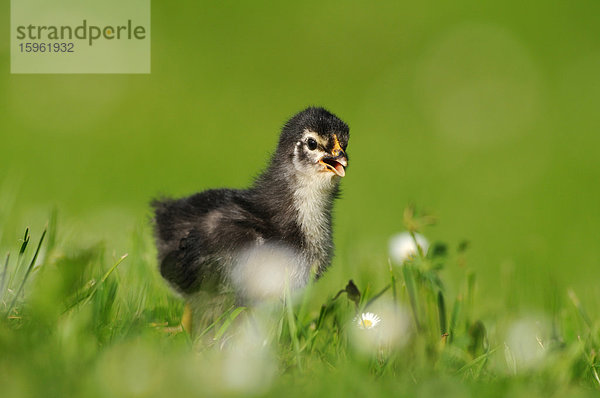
{"points": [[223, 239]]}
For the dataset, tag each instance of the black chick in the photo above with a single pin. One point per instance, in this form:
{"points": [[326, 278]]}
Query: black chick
{"points": [[206, 242]]}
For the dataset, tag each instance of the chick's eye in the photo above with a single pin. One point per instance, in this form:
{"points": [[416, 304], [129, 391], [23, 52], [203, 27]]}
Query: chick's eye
{"points": [[312, 144]]}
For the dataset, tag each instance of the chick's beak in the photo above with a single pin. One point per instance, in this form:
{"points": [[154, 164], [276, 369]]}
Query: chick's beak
{"points": [[337, 161]]}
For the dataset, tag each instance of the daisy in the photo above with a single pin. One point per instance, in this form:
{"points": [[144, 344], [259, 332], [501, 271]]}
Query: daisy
{"points": [[403, 247], [367, 320]]}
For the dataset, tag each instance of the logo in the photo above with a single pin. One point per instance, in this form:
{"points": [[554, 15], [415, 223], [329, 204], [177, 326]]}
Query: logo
{"points": [[82, 32], [67, 36]]}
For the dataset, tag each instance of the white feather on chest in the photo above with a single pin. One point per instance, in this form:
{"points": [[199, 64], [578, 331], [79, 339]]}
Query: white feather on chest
{"points": [[312, 198]]}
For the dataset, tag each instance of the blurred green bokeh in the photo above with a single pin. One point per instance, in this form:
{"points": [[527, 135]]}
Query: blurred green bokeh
{"points": [[485, 114]]}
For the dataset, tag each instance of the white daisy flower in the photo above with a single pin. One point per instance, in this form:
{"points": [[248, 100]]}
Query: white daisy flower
{"points": [[525, 345], [402, 246], [247, 361], [367, 320], [390, 328]]}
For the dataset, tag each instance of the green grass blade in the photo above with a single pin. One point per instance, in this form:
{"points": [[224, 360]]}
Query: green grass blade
{"points": [[26, 238], [393, 283], [28, 272], [480, 360], [470, 296], [96, 286], [375, 297], [20, 257], [582, 313], [442, 313], [228, 321], [454, 319], [216, 321], [4, 272], [114, 267], [418, 246], [412, 294]]}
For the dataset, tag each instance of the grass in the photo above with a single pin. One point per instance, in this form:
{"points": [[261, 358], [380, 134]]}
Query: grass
{"points": [[76, 322]]}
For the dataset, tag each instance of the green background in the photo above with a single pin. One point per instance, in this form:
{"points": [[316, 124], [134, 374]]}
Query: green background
{"points": [[485, 115]]}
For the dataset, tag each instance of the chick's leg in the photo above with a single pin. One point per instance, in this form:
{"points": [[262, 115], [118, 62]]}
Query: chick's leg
{"points": [[187, 319]]}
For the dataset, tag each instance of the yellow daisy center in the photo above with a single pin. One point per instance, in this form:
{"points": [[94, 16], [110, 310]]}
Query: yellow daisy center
{"points": [[367, 323]]}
